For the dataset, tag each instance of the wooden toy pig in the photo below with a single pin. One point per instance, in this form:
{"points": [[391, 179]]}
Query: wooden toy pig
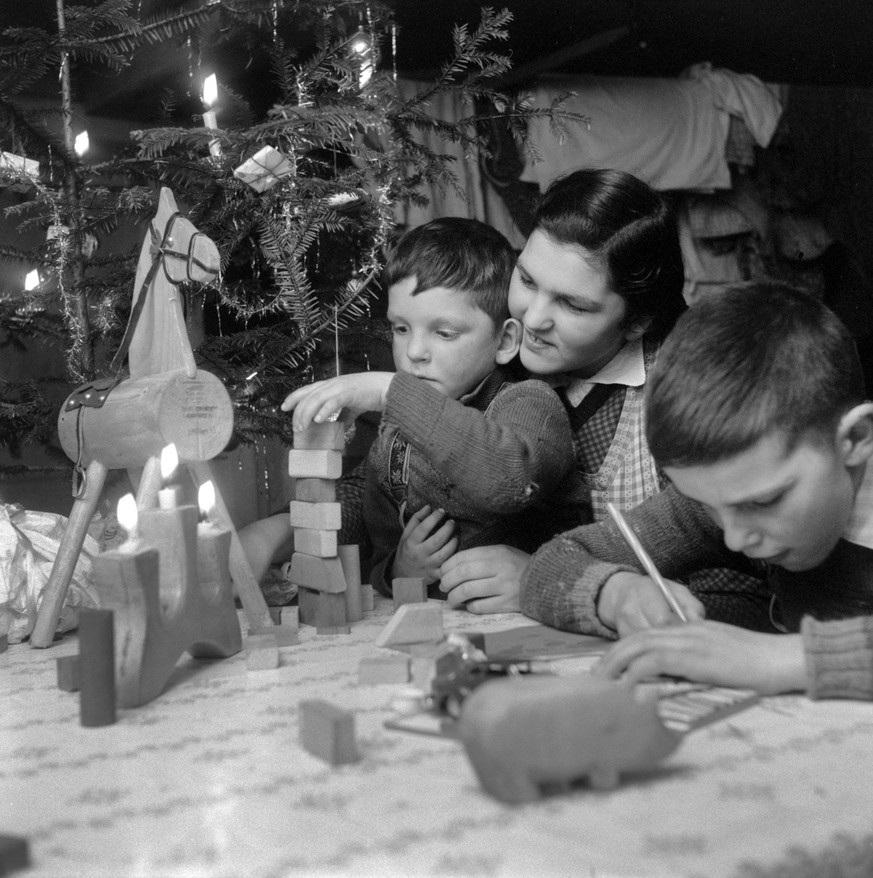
{"points": [[520, 733]]}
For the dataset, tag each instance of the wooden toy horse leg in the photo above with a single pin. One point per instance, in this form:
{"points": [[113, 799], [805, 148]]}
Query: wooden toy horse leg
{"points": [[146, 483], [241, 572], [68, 553]]}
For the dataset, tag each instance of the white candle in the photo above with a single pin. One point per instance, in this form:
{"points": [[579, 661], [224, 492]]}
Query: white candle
{"points": [[210, 117]]}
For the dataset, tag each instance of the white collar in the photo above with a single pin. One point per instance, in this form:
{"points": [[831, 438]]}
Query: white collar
{"points": [[860, 527], [627, 367]]}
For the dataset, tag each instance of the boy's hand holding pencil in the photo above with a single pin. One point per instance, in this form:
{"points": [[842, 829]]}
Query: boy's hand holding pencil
{"points": [[629, 602]]}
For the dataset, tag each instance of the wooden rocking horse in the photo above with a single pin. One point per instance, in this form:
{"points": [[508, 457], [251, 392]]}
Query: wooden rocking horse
{"points": [[112, 424]]}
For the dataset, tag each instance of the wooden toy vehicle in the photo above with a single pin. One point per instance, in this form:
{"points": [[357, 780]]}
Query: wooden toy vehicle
{"points": [[522, 734], [460, 668]]}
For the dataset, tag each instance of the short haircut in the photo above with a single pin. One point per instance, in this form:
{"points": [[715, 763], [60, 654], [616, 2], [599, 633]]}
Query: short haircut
{"points": [[630, 231], [465, 255], [758, 359]]}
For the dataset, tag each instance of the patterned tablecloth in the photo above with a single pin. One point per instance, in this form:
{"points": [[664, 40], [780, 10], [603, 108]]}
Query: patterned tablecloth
{"points": [[210, 780]]}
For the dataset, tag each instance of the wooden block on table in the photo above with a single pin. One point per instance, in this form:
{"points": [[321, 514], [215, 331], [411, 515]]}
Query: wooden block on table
{"points": [[290, 617], [368, 598], [350, 559], [322, 543], [316, 516], [320, 574], [314, 464], [408, 590], [14, 853], [413, 623], [330, 613], [328, 732], [328, 435], [96, 667], [307, 605], [283, 635], [392, 668], [262, 652], [315, 490], [68, 675]]}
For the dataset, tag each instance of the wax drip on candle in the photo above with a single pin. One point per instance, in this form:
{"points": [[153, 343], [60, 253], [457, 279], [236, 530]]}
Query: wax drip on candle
{"points": [[128, 518], [168, 496]]}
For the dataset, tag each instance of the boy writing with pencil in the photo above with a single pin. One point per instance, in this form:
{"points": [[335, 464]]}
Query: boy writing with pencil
{"points": [[465, 454], [757, 412]]}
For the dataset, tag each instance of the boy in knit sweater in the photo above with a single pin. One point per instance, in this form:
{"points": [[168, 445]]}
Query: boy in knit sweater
{"points": [[465, 455], [756, 410]]}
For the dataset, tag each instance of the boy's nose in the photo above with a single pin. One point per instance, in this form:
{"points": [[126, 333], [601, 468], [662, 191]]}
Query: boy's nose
{"points": [[738, 535], [416, 349]]}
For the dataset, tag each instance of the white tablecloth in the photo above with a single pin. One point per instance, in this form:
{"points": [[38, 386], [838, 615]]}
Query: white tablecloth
{"points": [[211, 780]]}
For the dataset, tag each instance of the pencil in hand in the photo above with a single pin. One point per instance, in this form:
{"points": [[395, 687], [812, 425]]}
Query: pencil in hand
{"points": [[644, 559]]}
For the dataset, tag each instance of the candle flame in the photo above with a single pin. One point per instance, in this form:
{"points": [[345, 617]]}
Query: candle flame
{"points": [[81, 143], [127, 514], [210, 90], [31, 282], [169, 461], [206, 498]]}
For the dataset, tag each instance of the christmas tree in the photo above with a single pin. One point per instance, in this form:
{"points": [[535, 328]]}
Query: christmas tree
{"points": [[295, 173]]}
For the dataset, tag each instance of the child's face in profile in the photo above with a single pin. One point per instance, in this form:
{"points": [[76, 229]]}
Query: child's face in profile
{"points": [[440, 337], [788, 509]]}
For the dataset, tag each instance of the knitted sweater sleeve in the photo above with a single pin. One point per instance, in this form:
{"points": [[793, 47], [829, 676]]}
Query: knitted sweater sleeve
{"points": [[563, 579], [507, 458], [839, 657]]}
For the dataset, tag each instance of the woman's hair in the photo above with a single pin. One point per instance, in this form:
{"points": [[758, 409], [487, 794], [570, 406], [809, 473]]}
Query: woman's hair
{"points": [[629, 230], [759, 359], [465, 255]]}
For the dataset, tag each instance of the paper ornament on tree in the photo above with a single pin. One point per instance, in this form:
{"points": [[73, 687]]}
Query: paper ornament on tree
{"points": [[264, 169]]}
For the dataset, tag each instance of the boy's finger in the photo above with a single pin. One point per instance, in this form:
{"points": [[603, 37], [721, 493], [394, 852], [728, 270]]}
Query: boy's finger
{"points": [[443, 554]]}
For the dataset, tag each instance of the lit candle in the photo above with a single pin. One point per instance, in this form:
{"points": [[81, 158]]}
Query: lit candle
{"points": [[210, 120], [169, 494], [127, 518], [82, 144], [213, 549], [31, 281]]}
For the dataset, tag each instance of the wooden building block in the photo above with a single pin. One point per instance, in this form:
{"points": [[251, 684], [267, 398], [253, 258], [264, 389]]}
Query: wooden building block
{"points": [[329, 435], [307, 605], [328, 732], [413, 623], [320, 574], [350, 559], [284, 635], [68, 675], [391, 668], [97, 668], [262, 653], [330, 614], [368, 598], [322, 543], [314, 464], [408, 590], [316, 516], [289, 617], [14, 853], [315, 490]]}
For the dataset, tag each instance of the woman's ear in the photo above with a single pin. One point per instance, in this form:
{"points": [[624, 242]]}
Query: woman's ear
{"points": [[510, 341], [638, 328], [855, 434]]}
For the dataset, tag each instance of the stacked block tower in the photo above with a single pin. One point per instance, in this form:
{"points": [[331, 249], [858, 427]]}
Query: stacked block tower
{"points": [[327, 575]]}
